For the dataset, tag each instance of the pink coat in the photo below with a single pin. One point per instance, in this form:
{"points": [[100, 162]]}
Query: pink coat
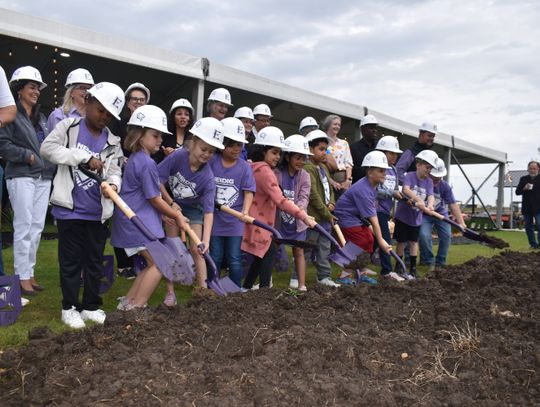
{"points": [[268, 197]]}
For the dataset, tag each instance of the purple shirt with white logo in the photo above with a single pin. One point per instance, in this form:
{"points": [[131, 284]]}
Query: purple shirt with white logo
{"points": [[443, 197], [140, 183], [422, 188], [230, 186], [358, 201], [384, 205], [287, 222], [188, 187], [86, 192]]}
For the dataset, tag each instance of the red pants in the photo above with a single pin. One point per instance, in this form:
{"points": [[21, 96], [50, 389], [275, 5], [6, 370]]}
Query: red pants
{"points": [[360, 236]]}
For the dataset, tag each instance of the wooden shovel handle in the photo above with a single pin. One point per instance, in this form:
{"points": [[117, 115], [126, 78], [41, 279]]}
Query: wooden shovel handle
{"points": [[339, 234], [119, 202], [236, 214]]}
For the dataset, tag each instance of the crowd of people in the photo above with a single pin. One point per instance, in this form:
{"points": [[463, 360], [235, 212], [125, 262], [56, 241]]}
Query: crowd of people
{"points": [[176, 172]]}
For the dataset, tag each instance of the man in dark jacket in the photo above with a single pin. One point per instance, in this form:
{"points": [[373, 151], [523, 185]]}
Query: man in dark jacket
{"points": [[359, 149], [407, 162], [529, 187]]}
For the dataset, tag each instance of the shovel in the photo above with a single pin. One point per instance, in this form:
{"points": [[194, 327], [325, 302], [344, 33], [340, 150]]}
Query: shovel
{"points": [[221, 286], [275, 233], [170, 256]]}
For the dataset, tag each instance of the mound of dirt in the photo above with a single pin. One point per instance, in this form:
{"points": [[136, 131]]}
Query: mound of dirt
{"points": [[464, 336]]}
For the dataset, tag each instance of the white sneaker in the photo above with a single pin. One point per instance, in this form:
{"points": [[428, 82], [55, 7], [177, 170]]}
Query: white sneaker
{"points": [[255, 287], [293, 283], [72, 318], [24, 301], [123, 302], [302, 288], [368, 272], [394, 276], [328, 282], [98, 316]]}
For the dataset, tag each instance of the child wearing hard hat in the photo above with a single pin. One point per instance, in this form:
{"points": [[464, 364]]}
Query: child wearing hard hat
{"points": [[245, 115], [141, 192], [356, 210], [321, 204], [268, 197], [444, 198], [191, 182], [78, 207], [296, 184], [386, 193], [418, 188], [78, 82], [235, 187]]}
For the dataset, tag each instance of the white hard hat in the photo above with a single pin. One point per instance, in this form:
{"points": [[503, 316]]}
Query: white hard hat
{"points": [[79, 75], [111, 96], [181, 103], [149, 116], [439, 170], [368, 119], [388, 143], [428, 156], [375, 159], [428, 126], [209, 130], [244, 113], [308, 122], [317, 134], [270, 136], [138, 85], [221, 95], [262, 109], [297, 144], [233, 129], [27, 73]]}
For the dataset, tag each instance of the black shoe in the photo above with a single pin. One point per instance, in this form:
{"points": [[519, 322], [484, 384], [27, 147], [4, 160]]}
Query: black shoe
{"points": [[128, 273]]}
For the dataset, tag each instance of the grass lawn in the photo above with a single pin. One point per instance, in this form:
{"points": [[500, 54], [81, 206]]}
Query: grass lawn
{"points": [[44, 309]]}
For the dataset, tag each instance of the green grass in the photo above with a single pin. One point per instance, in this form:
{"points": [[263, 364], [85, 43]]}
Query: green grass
{"points": [[45, 308]]}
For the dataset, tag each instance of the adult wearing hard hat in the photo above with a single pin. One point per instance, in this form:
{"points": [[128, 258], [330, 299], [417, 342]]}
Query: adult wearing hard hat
{"points": [[8, 112], [339, 161], [444, 198], [28, 175], [359, 149], [245, 115], [407, 161], [180, 121], [263, 116], [307, 124], [219, 102], [78, 82], [529, 187]]}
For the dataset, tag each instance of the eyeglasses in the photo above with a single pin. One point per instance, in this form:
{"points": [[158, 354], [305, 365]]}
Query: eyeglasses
{"points": [[83, 88], [137, 100]]}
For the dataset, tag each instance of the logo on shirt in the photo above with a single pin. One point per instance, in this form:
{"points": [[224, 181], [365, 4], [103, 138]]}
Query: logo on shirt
{"points": [[82, 180], [181, 187], [226, 192], [285, 217]]}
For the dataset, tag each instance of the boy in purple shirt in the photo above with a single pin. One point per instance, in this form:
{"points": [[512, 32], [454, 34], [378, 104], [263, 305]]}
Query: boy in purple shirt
{"points": [[80, 210], [235, 187], [418, 188], [444, 196]]}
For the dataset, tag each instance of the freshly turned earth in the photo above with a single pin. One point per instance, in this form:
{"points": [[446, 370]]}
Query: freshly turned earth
{"points": [[468, 335]]}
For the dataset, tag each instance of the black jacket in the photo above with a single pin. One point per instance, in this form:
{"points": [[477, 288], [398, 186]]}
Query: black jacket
{"points": [[531, 198], [359, 150]]}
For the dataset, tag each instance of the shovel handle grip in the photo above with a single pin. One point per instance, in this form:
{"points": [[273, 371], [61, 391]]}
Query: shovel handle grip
{"points": [[339, 235], [119, 202], [236, 214]]}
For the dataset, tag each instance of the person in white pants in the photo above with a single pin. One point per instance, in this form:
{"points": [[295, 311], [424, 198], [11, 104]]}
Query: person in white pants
{"points": [[28, 176]]}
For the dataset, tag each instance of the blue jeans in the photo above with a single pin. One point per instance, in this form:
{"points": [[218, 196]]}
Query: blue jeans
{"points": [[425, 242], [386, 264], [228, 246], [530, 221], [322, 265]]}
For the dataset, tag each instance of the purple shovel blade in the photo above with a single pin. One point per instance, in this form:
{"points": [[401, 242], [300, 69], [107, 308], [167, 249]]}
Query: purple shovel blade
{"points": [[183, 271], [347, 254], [10, 299]]}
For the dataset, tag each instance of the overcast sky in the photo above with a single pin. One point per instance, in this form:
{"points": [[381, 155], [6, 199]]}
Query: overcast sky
{"points": [[470, 66]]}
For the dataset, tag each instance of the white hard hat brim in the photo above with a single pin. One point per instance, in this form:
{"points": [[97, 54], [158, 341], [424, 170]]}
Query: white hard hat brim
{"points": [[238, 138], [212, 142]]}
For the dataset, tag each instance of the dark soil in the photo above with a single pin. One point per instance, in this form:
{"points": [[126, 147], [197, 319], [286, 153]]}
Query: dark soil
{"points": [[465, 336]]}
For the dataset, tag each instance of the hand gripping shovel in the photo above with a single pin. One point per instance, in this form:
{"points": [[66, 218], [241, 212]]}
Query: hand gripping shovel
{"points": [[221, 286], [275, 233], [170, 255]]}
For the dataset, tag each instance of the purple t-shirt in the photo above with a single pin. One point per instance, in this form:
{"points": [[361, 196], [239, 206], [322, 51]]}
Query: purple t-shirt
{"points": [[358, 201], [86, 192], [57, 115], [188, 187], [288, 222], [423, 188], [389, 185], [444, 196], [230, 186], [140, 183]]}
